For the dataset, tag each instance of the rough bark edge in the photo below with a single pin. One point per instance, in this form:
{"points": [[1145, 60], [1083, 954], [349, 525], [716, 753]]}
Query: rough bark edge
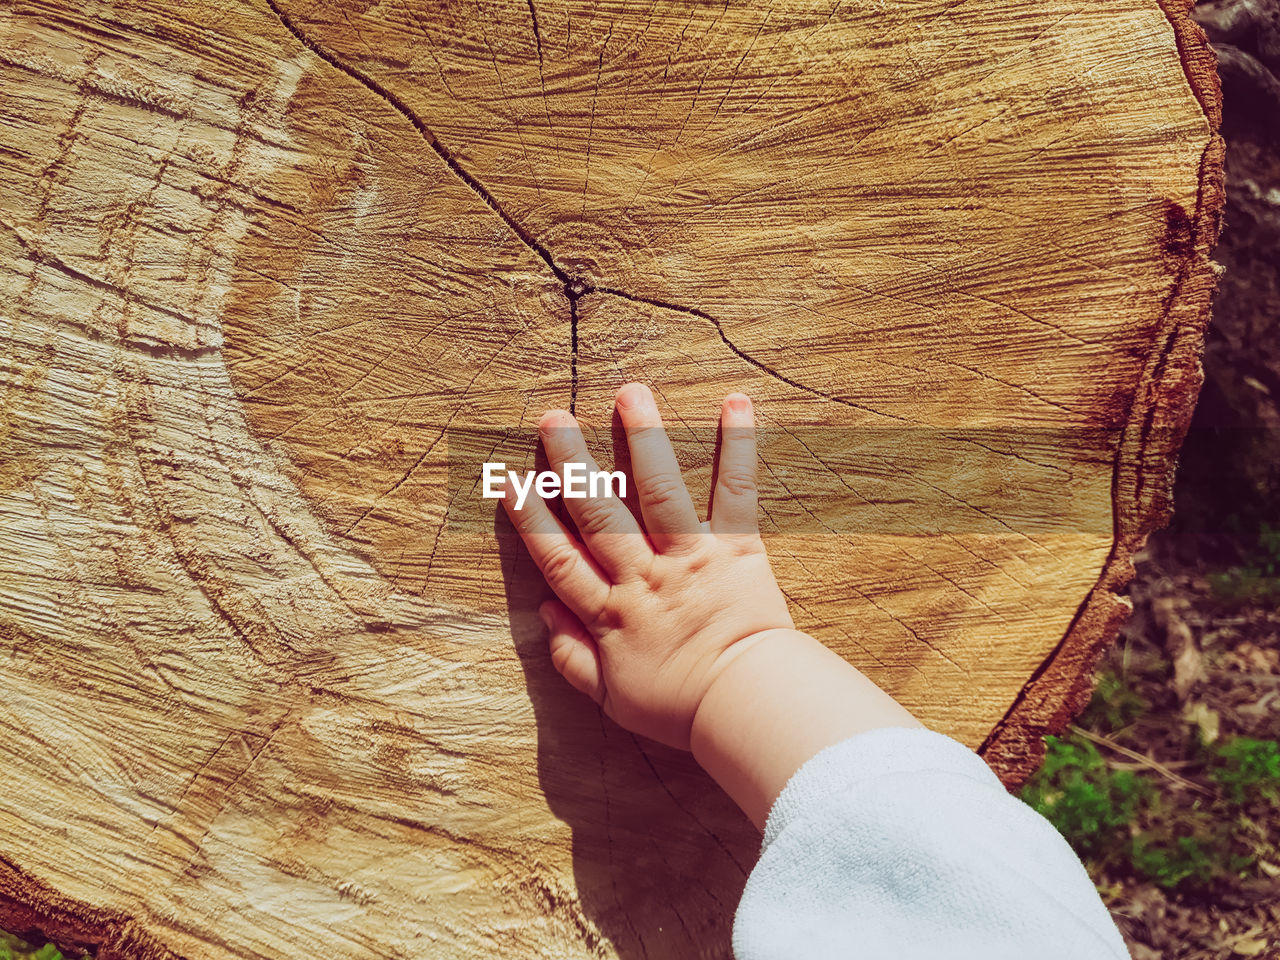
{"points": [[1160, 412], [1152, 432], [30, 908]]}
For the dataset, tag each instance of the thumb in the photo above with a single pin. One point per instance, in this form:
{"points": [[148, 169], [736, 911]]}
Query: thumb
{"points": [[573, 652]]}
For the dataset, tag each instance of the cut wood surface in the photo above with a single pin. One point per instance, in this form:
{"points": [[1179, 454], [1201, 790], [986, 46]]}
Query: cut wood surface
{"points": [[278, 274]]}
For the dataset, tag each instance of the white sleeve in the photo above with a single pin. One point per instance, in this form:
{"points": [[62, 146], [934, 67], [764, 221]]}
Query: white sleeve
{"points": [[903, 845]]}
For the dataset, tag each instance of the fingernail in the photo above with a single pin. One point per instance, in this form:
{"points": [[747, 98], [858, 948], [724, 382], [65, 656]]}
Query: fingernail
{"points": [[551, 420], [545, 616], [738, 402], [633, 395]]}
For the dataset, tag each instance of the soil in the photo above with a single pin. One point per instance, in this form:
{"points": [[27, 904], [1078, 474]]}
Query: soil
{"points": [[1234, 665], [1228, 490]]}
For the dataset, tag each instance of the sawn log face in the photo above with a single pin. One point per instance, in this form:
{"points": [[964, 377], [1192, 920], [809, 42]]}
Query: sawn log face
{"points": [[278, 274]]}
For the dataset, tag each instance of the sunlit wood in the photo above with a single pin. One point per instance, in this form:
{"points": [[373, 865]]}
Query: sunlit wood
{"points": [[278, 275]]}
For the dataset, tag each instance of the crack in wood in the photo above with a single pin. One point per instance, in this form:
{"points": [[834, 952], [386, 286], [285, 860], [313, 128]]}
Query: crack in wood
{"points": [[1129, 529], [502, 86], [427, 134], [591, 127], [41, 258], [743, 355], [574, 288], [573, 354], [537, 37], [724, 847]]}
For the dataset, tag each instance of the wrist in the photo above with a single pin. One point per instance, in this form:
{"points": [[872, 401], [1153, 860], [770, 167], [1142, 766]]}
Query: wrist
{"points": [[780, 698]]}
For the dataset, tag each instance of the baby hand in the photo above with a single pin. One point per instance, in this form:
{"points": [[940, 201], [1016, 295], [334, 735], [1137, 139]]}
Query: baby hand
{"points": [[646, 619]]}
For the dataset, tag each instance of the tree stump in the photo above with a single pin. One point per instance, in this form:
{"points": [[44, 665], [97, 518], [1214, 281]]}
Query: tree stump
{"points": [[278, 274]]}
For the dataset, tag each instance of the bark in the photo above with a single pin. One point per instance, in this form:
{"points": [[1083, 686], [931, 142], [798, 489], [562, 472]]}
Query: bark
{"points": [[278, 274]]}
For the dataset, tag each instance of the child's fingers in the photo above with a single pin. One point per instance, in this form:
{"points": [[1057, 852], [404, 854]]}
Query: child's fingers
{"points": [[569, 569], [733, 503], [573, 652], [605, 524], [669, 514]]}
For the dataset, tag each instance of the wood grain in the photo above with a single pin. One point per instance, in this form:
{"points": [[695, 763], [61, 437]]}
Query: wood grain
{"points": [[278, 274]]}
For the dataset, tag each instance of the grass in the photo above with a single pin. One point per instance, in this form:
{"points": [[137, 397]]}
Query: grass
{"points": [[1120, 821], [1184, 792]]}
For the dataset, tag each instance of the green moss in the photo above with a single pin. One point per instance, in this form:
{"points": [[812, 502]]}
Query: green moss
{"points": [[1115, 704], [1244, 585], [1173, 861], [1248, 770], [14, 948], [1117, 821], [1090, 804], [1258, 579]]}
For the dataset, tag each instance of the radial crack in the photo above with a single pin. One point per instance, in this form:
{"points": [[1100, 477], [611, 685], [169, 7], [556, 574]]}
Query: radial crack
{"points": [[537, 34], [742, 354], [573, 348], [574, 287], [441, 150]]}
